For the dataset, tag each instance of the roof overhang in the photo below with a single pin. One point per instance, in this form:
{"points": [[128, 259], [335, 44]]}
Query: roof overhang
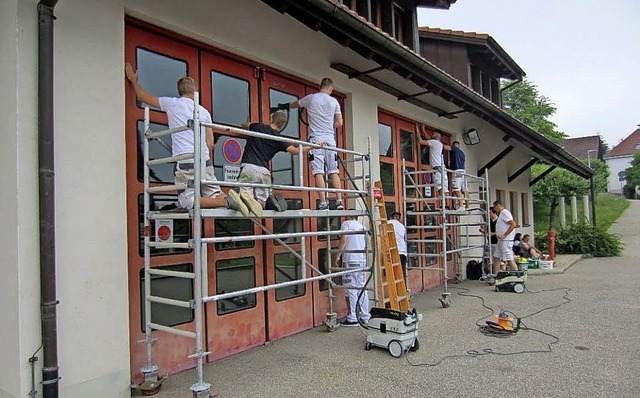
{"points": [[403, 66], [442, 4], [511, 70]]}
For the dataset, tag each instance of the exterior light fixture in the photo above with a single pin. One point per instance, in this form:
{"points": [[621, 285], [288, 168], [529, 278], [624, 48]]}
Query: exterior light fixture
{"points": [[471, 137]]}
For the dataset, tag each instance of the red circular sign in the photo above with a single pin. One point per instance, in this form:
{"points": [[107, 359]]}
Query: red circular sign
{"points": [[232, 150], [164, 232]]}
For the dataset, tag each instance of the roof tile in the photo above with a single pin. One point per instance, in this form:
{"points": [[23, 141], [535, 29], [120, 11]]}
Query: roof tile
{"points": [[626, 147]]}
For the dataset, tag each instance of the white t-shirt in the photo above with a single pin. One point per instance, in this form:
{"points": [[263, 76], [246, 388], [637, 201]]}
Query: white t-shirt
{"points": [[179, 110], [321, 110], [401, 236], [354, 242], [435, 153], [502, 224]]}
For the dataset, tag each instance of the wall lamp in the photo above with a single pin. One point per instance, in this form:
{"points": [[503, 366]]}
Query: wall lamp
{"points": [[471, 137]]}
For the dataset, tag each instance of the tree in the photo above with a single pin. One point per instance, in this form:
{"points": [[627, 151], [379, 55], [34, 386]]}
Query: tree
{"points": [[524, 102], [633, 175], [562, 183], [604, 147]]}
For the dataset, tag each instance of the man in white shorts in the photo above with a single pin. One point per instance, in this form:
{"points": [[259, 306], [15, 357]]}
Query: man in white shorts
{"points": [[179, 110], [323, 112], [435, 157], [505, 232], [354, 256]]}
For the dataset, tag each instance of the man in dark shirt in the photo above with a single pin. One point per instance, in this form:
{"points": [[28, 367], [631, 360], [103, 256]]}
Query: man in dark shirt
{"points": [[459, 180], [258, 152]]}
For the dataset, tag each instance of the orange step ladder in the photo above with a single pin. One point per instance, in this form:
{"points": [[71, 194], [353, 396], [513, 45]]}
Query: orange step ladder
{"points": [[392, 289]]}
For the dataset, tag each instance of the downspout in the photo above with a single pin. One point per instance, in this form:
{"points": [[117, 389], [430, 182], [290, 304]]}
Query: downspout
{"points": [[46, 184]]}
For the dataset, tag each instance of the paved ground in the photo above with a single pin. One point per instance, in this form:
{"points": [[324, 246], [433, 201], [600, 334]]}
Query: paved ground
{"points": [[598, 354]]}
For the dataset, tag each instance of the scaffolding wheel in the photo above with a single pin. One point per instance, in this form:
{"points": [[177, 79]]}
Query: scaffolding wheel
{"points": [[368, 346], [445, 300], [331, 322], [415, 346], [395, 349]]}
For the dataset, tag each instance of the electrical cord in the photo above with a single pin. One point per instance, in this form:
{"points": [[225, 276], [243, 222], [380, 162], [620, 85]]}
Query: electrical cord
{"points": [[501, 334]]}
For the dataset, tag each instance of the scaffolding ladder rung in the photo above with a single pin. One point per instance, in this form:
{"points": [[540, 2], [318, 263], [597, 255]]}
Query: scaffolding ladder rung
{"points": [[167, 188], [174, 274], [171, 330], [166, 245], [171, 159], [168, 301], [161, 133]]}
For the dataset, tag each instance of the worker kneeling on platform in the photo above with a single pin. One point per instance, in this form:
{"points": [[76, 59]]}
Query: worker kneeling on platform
{"points": [[258, 152], [352, 253]]}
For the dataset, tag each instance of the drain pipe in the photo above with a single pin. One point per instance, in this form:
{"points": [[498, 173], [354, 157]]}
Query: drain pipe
{"points": [[46, 184]]}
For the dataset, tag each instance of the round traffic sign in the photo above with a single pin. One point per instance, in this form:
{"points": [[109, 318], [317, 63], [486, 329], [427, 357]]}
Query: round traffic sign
{"points": [[232, 150], [164, 232]]}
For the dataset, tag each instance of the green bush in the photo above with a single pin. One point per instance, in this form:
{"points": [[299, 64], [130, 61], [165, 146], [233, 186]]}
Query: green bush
{"points": [[585, 239]]}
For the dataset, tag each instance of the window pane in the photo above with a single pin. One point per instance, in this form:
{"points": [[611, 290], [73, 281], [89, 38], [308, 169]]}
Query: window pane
{"points": [[169, 287], [334, 222], [407, 148], [387, 178], [390, 207], [288, 268], [285, 170], [424, 155], [278, 97], [384, 140], [322, 266], [158, 74], [290, 225], [233, 275], [159, 147], [431, 248], [409, 186], [233, 228], [230, 99], [413, 247], [411, 220], [181, 229]]}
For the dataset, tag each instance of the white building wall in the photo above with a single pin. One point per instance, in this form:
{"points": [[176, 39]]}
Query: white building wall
{"points": [[617, 165], [91, 234]]}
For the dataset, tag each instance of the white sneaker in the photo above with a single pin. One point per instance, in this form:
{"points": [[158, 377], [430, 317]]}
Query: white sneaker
{"points": [[235, 203], [251, 203], [462, 208]]}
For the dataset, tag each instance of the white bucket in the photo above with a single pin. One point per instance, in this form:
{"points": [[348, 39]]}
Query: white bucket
{"points": [[546, 264]]}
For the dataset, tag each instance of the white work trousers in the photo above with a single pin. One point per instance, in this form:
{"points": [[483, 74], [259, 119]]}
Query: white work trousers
{"points": [[356, 281]]}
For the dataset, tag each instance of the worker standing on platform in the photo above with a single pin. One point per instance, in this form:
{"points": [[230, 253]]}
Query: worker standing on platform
{"points": [[436, 160], [459, 180], [505, 232], [401, 240], [258, 152], [352, 252], [324, 116], [179, 111]]}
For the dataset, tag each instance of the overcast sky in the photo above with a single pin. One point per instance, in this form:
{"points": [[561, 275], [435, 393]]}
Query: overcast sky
{"points": [[584, 55]]}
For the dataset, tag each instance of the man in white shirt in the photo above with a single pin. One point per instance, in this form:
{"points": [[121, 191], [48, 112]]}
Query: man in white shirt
{"points": [[324, 116], [352, 252], [401, 240], [505, 232], [179, 110], [436, 159]]}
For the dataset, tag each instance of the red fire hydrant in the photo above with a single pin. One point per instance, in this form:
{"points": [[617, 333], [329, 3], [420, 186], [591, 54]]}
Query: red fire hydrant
{"points": [[551, 243]]}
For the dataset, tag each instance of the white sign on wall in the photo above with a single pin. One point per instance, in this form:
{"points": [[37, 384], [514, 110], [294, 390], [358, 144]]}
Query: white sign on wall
{"points": [[164, 231], [231, 173]]}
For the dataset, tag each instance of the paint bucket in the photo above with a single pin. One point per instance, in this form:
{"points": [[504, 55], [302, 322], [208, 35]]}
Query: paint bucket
{"points": [[546, 264]]}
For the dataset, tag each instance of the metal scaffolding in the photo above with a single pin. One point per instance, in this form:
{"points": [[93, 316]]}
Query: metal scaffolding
{"points": [[360, 189], [432, 213]]}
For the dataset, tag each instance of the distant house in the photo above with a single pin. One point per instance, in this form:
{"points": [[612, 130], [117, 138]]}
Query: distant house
{"points": [[619, 158], [584, 148]]}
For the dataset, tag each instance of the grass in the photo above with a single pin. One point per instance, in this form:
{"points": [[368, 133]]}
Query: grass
{"points": [[608, 210]]}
